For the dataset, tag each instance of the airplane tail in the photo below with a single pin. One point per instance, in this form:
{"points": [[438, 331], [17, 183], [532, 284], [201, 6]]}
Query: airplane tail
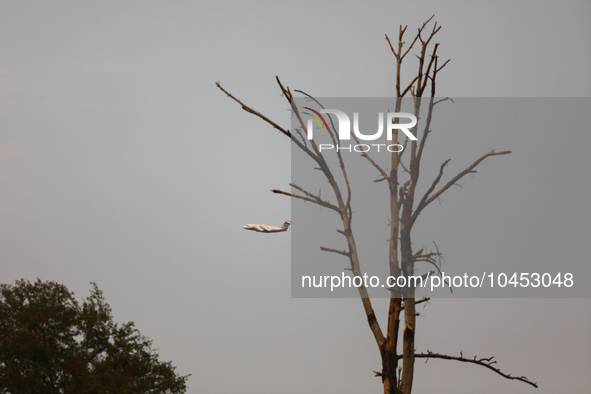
{"points": [[286, 225]]}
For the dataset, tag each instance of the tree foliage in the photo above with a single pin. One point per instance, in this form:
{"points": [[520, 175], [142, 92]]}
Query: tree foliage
{"points": [[50, 343]]}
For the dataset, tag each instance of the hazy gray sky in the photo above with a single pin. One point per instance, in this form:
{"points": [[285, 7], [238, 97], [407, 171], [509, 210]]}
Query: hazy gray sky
{"points": [[122, 163]]}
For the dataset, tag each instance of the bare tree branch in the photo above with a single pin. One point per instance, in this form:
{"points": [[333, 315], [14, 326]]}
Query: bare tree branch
{"points": [[404, 167], [252, 111], [426, 299], [300, 144], [468, 170], [485, 362], [444, 64], [432, 187], [334, 141], [342, 252], [312, 198], [345, 212], [373, 163], [409, 87]]}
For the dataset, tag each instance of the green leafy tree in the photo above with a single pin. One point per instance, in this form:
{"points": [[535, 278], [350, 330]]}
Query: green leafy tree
{"points": [[50, 343]]}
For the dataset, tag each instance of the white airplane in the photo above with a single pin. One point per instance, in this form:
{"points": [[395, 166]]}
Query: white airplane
{"points": [[263, 228]]}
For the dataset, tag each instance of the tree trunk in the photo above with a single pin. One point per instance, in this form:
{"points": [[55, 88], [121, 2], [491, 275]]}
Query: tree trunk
{"points": [[408, 346], [389, 354]]}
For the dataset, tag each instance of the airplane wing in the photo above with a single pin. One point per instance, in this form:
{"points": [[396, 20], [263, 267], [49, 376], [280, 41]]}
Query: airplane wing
{"points": [[265, 228]]}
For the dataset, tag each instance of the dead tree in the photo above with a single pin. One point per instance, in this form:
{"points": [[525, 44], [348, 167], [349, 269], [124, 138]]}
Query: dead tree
{"points": [[405, 206]]}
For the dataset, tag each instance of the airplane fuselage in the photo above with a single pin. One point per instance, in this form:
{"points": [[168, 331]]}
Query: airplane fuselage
{"points": [[263, 228]]}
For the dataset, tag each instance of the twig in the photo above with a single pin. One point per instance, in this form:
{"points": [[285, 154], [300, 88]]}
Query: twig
{"points": [[342, 252]]}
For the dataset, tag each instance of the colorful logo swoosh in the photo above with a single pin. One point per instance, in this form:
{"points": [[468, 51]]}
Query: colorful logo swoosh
{"points": [[315, 118]]}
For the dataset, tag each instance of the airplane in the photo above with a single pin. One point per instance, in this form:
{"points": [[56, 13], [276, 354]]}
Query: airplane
{"points": [[263, 228]]}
